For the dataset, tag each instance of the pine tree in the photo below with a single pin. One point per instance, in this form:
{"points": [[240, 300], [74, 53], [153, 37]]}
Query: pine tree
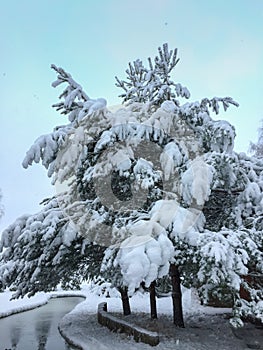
{"points": [[257, 148], [1, 206], [141, 190]]}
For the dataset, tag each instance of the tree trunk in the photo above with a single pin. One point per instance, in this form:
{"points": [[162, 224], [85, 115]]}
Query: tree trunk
{"points": [[153, 300], [125, 301], [176, 296]]}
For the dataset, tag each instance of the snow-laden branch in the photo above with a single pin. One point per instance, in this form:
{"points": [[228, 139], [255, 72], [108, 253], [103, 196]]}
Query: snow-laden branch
{"points": [[75, 102], [77, 105]]}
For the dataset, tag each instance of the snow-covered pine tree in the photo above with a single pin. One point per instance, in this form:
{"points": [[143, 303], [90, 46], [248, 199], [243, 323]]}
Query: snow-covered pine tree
{"points": [[257, 148], [1, 205], [141, 183]]}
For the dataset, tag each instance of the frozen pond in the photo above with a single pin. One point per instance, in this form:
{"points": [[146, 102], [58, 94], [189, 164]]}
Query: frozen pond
{"points": [[37, 329]]}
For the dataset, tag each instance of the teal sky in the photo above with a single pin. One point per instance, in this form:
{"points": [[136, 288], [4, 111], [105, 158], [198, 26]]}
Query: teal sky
{"points": [[220, 48]]}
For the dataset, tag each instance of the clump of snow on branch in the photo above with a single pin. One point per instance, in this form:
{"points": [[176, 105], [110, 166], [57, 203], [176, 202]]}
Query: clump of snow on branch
{"points": [[196, 182], [144, 256]]}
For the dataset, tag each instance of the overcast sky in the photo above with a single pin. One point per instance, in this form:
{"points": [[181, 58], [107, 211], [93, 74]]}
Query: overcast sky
{"points": [[220, 48]]}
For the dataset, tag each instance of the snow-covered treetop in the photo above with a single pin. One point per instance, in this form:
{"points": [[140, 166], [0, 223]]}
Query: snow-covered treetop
{"points": [[152, 84]]}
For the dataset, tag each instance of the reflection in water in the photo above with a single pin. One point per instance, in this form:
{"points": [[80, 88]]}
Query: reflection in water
{"points": [[42, 329], [15, 336], [38, 328]]}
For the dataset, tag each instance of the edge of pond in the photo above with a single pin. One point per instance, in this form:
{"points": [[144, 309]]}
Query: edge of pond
{"points": [[68, 339], [31, 306]]}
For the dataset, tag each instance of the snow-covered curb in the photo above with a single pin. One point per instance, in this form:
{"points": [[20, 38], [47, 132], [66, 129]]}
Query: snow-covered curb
{"points": [[117, 325], [69, 338]]}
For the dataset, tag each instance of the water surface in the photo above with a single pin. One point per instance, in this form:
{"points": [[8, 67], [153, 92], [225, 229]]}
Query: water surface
{"points": [[37, 329]]}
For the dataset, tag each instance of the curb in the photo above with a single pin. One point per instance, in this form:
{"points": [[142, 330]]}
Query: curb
{"points": [[116, 325]]}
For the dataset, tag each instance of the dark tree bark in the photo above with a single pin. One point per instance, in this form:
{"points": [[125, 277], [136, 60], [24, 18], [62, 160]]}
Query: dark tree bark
{"points": [[153, 300], [125, 301], [176, 296]]}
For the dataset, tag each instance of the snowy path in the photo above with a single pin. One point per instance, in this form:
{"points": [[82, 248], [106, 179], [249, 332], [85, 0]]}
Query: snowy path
{"points": [[202, 332]]}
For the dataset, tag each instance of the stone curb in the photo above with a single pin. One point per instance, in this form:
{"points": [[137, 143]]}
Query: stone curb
{"points": [[113, 323]]}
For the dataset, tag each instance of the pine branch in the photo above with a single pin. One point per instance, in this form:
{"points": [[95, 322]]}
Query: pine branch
{"points": [[166, 60], [72, 92]]}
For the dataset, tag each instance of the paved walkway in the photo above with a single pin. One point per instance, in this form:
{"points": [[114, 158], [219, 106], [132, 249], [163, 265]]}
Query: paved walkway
{"points": [[202, 332]]}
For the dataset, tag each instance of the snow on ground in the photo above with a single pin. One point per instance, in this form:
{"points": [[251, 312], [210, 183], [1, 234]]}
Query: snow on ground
{"points": [[81, 327], [139, 302], [206, 327]]}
